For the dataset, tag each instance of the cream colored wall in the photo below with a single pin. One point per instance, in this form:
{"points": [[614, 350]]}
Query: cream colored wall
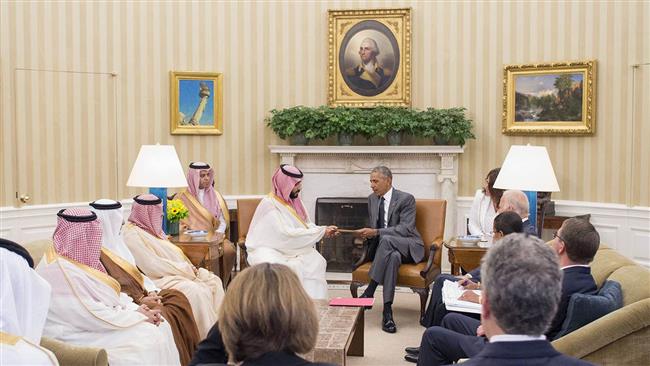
{"points": [[275, 55]]}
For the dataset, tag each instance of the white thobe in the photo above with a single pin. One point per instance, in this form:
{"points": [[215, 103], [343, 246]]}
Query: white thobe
{"points": [[169, 268], [16, 350], [88, 309], [278, 235], [24, 303]]}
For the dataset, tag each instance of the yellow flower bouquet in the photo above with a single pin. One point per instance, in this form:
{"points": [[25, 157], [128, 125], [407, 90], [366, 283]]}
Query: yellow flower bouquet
{"points": [[176, 210]]}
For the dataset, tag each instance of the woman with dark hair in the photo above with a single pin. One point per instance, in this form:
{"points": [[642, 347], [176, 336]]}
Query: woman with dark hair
{"points": [[485, 206]]}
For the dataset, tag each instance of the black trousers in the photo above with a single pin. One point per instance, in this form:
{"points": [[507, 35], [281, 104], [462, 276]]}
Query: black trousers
{"points": [[441, 345], [436, 309]]}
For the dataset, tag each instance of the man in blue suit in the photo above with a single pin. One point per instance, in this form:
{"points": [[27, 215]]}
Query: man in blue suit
{"points": [[459, 336]]}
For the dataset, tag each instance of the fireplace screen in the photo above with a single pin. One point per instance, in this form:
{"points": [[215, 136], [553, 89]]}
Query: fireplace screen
{"points": [[347, 213]]}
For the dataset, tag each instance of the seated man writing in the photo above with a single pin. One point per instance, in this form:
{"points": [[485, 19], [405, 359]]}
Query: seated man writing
{"points": [[87, 307], [459, 336], [281, 232], [208, 210], [167, 265], [505, 223]]}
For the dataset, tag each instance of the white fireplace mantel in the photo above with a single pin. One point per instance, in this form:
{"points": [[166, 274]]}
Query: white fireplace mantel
{"points": [[342, 171]]}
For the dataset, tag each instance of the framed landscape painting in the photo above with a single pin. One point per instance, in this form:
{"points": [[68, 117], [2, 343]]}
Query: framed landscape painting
{"points": [[550, 99], [196, 103], [370, 57]]}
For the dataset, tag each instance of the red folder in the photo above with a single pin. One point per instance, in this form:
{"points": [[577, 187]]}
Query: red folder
{"points": [[351, 301]]}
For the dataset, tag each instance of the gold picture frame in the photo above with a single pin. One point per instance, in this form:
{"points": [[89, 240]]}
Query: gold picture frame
{"points": [[550, 99], [369, 57], [196, 103]]}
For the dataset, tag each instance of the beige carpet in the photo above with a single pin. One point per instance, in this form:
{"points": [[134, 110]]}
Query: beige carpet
{"points": [[383, 348]]}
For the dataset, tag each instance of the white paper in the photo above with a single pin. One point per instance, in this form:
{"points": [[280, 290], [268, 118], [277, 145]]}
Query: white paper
{"points": [[451, 291]]}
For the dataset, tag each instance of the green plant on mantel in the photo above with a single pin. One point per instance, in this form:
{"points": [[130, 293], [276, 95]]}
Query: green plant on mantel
{"points": [[453, 126], [394, 120], [350, 121], [445, 125]]}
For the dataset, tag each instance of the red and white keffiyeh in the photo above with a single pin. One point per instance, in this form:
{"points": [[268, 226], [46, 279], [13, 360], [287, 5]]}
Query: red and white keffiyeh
{"points": [[148, 217], [283, 184], [209, 196], [78, 236]]}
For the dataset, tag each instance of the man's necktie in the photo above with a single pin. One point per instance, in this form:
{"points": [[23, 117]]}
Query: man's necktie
{"points": [[380, 218]]}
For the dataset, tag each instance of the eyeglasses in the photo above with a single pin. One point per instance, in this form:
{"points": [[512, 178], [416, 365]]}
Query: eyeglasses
{"points": [[557, 236]]}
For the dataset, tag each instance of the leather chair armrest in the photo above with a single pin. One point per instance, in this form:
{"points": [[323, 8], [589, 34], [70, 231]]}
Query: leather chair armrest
{"points": [[606, 330], [365, 255], [432, 269]]}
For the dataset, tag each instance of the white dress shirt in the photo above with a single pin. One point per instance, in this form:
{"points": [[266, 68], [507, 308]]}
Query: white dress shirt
{"points": [[516, 338], [387, 198]]}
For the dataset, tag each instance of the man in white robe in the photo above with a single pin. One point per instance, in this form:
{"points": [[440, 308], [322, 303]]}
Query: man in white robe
{"points": [[24, 301], [87, 307], [281, 232], [167, 265]]}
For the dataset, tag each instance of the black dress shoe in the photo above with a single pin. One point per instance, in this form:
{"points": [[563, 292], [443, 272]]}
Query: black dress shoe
{"points": [[411, 358], [387, 324], [412, 350]]}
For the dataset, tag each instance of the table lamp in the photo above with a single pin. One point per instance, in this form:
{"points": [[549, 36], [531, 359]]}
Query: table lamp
{"points": [[158, 168], [529, 169]]}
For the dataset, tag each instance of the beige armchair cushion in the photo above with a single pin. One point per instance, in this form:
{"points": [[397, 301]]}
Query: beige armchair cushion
{"points": [[70, 355]]}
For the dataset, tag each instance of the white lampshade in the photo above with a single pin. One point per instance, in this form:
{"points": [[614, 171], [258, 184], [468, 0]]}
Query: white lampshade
{"points": [[157, 166], [527, 168]]}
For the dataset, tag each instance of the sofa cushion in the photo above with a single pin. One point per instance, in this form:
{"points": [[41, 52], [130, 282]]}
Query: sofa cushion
{"points": [[584, 309], [635, 282], [606, 262]]}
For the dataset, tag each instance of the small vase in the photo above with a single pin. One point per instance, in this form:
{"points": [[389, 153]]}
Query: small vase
{"points": [[394, 138], [298, 139], [344, 139], [173, 228]]}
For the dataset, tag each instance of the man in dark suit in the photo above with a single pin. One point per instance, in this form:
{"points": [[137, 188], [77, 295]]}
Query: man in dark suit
{"points": [[505, 223], [513, 200], [459, 336], [392, 238]]}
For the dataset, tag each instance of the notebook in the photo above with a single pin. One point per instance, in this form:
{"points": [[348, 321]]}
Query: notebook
{"points": [[451, 291], [352, 301]]}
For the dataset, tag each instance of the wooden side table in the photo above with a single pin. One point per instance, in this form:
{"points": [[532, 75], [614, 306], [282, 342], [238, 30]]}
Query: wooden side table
{"points": [[468, 257], [205, 251]]}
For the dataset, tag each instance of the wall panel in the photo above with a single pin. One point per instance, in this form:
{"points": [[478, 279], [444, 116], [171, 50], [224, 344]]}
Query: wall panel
{"points": [[274, 55]]}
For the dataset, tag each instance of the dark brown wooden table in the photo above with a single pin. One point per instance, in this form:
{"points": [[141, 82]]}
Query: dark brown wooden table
{"points": [[467, 257], [205, 251]]}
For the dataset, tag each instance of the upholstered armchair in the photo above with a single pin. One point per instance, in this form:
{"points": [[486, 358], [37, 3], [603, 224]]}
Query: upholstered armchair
{"points": [[430, 223], [245, 210]]}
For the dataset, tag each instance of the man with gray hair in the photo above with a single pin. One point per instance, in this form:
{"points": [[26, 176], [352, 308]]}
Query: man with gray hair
{"points": [[513, 200], [526, 288], [392, 238]]}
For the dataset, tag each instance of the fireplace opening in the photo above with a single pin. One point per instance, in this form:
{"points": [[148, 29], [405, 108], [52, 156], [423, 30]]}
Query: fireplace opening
{"points": [[346, 213]]}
